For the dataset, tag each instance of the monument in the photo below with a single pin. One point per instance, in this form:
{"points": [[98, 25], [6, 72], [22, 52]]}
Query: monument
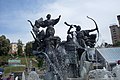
{"points": [[64, 58]]}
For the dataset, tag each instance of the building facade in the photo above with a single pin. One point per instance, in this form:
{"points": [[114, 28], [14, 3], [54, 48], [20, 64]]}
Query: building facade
{"points": [[14, 48], [115, 31]]}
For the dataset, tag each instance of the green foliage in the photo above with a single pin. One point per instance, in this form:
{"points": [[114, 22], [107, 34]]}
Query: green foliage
{"points": [[28, 48], [19, 45], [9, 69], [117, 44], [40, 63], [4, 45]]}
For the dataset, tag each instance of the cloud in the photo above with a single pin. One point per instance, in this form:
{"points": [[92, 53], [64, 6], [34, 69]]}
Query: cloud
{"points": [[72, 11], [75, 12]]}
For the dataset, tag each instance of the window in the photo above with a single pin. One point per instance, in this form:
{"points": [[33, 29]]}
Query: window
{"points": [[113, 30]]}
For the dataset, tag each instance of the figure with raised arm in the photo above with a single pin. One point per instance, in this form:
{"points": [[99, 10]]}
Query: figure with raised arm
{"points": [[51, 22], [77, 35], [83, 37]]}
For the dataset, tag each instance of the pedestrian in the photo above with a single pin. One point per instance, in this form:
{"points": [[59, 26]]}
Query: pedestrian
{"points": [[11, 77], [1, 76]]}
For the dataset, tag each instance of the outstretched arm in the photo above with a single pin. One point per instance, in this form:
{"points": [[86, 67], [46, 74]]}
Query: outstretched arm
{"points": [[59, 16], [31, 23], [68, 32], [55, 21], [92, 30], [67, 24]]}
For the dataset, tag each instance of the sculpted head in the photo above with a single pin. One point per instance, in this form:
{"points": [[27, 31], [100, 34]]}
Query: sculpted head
{"points": [[48, 16], [78, 28], [50, 31]]}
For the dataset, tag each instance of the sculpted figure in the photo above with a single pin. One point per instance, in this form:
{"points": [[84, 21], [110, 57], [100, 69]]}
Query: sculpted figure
{"points": [[48, 22], [77, 35], [89, 39], [51, 22], [71, 57], [63, 59], [83, 37], [51, 40]]}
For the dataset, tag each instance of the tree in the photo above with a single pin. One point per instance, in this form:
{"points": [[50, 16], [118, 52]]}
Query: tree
{"points": [[20, 47], [28, 48], [117, 44], [4, 45]]}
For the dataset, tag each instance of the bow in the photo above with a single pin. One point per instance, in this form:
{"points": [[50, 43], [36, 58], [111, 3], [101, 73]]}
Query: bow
{"points": [[96, 27]]}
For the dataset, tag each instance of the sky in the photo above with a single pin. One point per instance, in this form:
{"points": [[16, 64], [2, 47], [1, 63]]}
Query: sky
{"points": [[15, 13]]}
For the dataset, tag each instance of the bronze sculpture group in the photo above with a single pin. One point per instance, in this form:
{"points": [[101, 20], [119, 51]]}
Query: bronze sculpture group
{"points": [[62, 57]]}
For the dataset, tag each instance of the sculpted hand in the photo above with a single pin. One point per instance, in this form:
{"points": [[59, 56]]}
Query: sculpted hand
{"points": [[71, 26], [96, 28], [65, 22], [28, 20], [59, 16]]}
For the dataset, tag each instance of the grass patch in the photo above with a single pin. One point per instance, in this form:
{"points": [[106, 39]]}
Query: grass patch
{"points": [[4, 58], [8, 69]]}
